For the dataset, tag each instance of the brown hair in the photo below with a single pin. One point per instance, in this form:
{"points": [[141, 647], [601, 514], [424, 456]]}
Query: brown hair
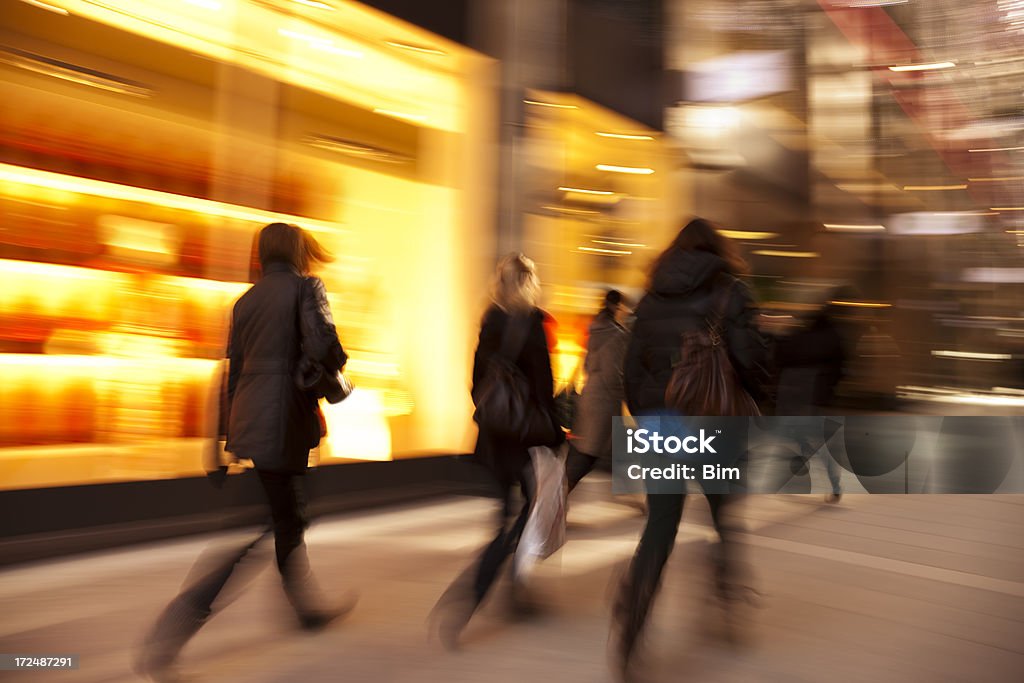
{"points": [[702, 235], [287, 243]]}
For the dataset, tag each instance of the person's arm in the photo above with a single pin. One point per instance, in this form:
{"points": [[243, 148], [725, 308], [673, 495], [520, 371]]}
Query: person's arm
{"points": [[748, 348], [319, 336], [487, 345], [225, 384], [633, 371], [615, 361]]}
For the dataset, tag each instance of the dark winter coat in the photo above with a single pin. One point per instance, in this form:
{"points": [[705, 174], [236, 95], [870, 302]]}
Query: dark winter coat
{"points": [[602, 395], [506, 458], [269, 420], [683, 292]]}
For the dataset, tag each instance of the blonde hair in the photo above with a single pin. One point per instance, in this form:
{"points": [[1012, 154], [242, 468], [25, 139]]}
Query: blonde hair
{"points": [[516, 286]]}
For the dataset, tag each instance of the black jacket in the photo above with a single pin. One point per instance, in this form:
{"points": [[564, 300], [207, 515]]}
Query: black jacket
{"points": [[269, 420], [504, 457], [683, 292]]}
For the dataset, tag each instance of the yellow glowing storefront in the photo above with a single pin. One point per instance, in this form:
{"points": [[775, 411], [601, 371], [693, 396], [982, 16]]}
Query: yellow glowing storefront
{"points": [[603, 196], [145, 142]]}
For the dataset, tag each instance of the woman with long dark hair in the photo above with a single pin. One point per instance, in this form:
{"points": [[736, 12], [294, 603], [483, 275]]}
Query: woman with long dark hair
{"points": [[512, 331], [694, 277], [266, 419]]}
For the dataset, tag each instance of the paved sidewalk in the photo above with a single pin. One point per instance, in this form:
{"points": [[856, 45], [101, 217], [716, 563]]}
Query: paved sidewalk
{"points": [[879, 588]]}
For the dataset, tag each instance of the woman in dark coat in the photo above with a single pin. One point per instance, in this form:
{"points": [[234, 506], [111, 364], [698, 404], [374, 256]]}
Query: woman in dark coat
{"points": [[513, 326], [694, 274], [269, 421], [603, 393]]}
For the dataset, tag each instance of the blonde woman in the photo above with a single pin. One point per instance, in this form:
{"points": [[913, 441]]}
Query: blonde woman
{"points": [[513, 331]]}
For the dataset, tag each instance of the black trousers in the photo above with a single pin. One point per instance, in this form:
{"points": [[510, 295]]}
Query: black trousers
{"points": [[476, 581], [577, 465], [217, 566], [511, 523], [664, 511]]}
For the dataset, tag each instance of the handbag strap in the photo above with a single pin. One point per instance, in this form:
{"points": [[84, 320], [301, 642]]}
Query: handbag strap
{"points": [[716, 315], [298, 311]]}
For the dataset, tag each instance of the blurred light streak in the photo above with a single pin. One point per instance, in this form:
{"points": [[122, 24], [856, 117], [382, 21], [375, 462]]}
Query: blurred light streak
{"points": [[624, 136], [787, 254], [611, 252], [620, 244], [933, 188], [633, 170], [997, 149], [99, 188], [854, 228], [748, 235], [418, 118], [315, 3], [1007, 208], [570, 210], [972, 355], [996, 180], [993, 275], [415, 48], [583, 190], [861, 304], [941, 395], [924, 67], [538, 103], [320, 43], [47, 6], [72, 73], [357, 149]]}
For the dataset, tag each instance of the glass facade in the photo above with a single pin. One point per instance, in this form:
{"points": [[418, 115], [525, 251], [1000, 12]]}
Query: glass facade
{"points": [[145, 144]]}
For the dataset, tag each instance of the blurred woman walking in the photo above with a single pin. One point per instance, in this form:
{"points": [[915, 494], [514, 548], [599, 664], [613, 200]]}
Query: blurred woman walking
{"points": [[694, 289], [512, 358], [267, 419]]}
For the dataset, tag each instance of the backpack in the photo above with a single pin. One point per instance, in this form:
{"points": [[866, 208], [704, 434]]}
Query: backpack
{"points": [[505, 405], [704, 381]]}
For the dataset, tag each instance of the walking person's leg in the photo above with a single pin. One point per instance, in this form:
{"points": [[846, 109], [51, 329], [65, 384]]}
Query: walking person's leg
{"points": [[507, 541], [577, 465], [636, 594], [288, 512], [194, 604], [466, 593]]}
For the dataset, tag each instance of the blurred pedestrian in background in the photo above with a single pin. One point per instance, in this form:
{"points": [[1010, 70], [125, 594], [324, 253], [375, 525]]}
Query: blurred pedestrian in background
{"points": [[810, 364], [512, 334], [602, 396], [697, 274], [267, 419]]}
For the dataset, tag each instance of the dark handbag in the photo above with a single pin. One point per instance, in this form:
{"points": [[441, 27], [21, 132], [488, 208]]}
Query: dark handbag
{"points": [[505, 406], [312, 377], [704, 381]]}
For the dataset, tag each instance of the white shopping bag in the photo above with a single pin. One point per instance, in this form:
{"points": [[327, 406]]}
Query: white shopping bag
{"points": [[544, 533]]}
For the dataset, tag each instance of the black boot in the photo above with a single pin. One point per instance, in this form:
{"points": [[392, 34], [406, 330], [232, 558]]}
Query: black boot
{"points": [[172, 631]]}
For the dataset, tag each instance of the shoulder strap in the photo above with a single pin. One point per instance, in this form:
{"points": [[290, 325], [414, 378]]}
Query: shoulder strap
{"points": [[721, 302], [298, 310]]}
